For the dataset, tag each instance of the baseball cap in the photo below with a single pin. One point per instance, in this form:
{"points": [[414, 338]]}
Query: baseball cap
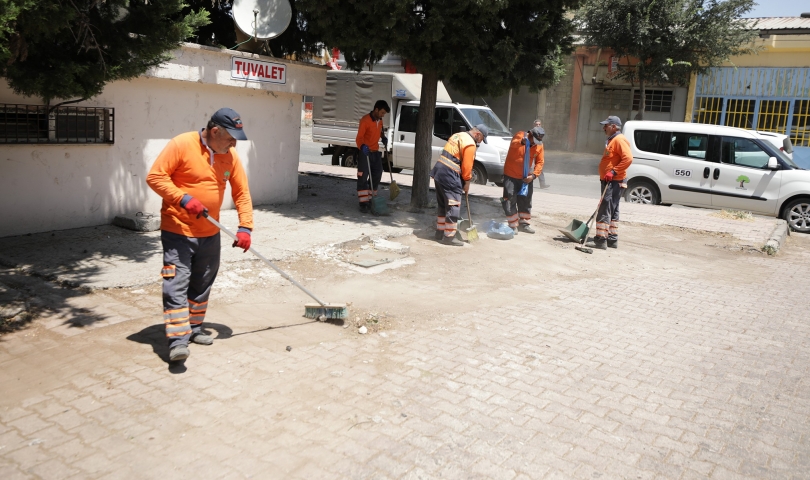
{"points": [[537, 132], [230, 121], [484, 130], [612, 120]]}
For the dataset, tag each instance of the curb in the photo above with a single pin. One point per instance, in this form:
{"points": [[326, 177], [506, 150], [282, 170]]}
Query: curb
{"points": [[780, 233]]}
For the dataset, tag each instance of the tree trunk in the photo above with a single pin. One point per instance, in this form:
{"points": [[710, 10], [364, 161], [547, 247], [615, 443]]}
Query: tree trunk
{"points": [[424, 141], [642, 96]]}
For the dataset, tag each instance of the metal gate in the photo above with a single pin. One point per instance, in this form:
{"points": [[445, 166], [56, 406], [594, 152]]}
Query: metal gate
{"points": [[758, 98]]}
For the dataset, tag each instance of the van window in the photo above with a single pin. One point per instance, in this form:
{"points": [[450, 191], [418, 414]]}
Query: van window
{"points": [[689, 145], [647, 140], [743, 152], [407, 118], [443, 123]]}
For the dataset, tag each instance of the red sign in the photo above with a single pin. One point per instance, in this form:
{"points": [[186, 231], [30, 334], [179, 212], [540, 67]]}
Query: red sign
{"points": [[258, 70]]}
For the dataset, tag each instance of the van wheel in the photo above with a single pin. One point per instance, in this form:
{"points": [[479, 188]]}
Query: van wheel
{"points": [[642, 191], [479, 175], [336, 155], [350, 158], [797, 215]]}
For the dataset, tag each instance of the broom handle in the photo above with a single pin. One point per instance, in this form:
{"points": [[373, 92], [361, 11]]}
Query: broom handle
{"points": [[390, 172], [254, 252], [469, 215]]}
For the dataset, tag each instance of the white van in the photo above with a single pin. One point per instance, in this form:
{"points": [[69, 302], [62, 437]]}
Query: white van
{"points": [[715, 167]]}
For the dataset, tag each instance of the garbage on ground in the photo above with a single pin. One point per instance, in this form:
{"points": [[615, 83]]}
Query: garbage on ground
{"points": [[498, 230]]}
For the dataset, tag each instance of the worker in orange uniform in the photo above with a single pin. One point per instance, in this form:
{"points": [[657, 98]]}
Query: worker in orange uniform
{"points": [[523, 164], [190, 175], [451, 177], [613, 177], [369, 134]]}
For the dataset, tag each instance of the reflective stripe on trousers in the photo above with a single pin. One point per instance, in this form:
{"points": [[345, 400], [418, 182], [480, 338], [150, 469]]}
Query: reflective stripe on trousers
{"points": [[185, 294]]}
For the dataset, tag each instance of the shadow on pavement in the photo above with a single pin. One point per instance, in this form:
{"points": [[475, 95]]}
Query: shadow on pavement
{"points": [[155, 336]]}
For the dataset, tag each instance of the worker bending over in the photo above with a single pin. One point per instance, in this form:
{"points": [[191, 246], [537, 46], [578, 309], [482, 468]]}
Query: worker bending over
{"points": [[451, 177]]}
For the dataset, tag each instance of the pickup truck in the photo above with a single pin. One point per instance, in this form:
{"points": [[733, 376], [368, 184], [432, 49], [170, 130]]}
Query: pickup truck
{"points": [[350, 95]]}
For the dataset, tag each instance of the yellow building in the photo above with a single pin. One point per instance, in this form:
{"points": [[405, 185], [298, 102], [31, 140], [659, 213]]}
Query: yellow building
{"points": [[766, 91]]}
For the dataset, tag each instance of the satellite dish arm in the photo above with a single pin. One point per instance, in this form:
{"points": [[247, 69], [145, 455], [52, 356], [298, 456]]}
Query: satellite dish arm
{"points": [[255, 22]]}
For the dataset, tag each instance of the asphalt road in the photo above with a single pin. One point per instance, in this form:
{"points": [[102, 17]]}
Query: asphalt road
{"points": [[567, 173]]}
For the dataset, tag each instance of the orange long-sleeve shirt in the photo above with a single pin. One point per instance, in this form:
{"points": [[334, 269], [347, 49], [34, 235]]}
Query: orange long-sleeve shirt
{"points": [[185, 167], [461, 146], [369, 133], [616, 157], [513, 165]]}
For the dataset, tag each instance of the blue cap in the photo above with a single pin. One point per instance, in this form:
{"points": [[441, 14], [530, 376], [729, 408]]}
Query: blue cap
{"points": [[484, 130], [611, 120]]}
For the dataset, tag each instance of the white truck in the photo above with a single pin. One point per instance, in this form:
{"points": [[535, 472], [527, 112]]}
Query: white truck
{"points": [[350, 95]]}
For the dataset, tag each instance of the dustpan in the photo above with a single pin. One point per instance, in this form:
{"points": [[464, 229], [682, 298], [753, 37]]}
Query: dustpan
{"points": [[378, 203], [577, 231], [466, 228]]}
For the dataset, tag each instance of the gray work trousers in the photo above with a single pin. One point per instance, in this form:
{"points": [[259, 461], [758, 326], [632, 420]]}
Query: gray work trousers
{"points": [[607, 219], [190, 266]]}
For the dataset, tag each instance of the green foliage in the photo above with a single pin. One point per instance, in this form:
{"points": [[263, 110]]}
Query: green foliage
{"points": [[72, 48], [671, 38], [481, 47]]}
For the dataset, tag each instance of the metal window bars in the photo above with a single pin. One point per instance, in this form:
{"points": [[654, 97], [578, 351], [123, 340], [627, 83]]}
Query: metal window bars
{"points": [[36, 124]]}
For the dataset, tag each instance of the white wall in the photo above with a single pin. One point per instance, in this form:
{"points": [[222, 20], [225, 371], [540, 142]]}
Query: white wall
{"points": [[53, 187]]}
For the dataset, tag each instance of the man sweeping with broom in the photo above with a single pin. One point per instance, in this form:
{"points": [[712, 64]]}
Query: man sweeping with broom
{"points": [[613, 174], [190, 175], [523, 164], [369, 165], [451, 177]]}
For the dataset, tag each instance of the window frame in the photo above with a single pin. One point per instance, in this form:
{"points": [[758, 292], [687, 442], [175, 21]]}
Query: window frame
{"points": [[54, 125]]}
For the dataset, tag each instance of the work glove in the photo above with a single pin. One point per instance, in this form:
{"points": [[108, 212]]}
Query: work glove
{"points": [[609, 176], [364, 149], [466, 187], [384, 141], [193, 206], [529, 179], [242, 239]]}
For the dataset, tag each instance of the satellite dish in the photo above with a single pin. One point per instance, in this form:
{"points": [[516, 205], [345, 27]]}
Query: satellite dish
{"points": [[262, 19]]}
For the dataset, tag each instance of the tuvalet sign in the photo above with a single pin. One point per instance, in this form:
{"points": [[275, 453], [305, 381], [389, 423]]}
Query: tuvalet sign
{"points": [[258, 70]]}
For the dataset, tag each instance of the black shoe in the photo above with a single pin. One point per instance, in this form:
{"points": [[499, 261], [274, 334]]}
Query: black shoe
{"points": [[438, 235], [598, 244], [364, 208], [527, 229], [452, 241], [613, 244]]}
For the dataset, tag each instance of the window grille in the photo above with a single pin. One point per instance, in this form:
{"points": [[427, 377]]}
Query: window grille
{"points": [[709, 110], [654, 100], [25, 124], [800, 127], [611, 99], [773, 115], [740, 113]]}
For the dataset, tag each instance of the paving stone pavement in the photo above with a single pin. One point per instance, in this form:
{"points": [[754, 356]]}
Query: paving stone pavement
{"points": [[676, 374]]}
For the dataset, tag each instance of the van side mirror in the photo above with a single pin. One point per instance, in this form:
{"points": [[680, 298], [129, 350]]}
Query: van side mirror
{"points": [[773, 164]]}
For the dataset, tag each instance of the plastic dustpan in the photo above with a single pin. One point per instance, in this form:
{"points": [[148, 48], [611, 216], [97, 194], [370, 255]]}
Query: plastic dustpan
{"points": [[577, 231]]}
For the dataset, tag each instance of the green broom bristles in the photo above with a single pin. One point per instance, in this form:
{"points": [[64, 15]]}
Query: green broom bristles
{"points": [[332, 311]]}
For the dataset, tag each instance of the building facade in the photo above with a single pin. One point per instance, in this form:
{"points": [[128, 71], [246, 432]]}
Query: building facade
{"points": [[82, 165]]}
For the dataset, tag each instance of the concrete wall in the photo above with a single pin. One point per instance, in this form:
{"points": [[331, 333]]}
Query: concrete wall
{"points": [[53, 187], [552, 106]]}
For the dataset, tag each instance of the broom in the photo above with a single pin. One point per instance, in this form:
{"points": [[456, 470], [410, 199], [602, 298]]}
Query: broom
{"points": [[320, 311], [472, 232], [393, 187]]}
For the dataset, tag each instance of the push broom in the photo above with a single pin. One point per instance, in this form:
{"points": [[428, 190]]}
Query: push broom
{"points": [[320, 311]]}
